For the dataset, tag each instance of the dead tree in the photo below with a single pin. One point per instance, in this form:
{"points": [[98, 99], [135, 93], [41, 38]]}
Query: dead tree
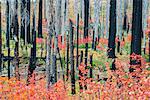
{"points": [[16, 38], [136, 32], [72, 59]]}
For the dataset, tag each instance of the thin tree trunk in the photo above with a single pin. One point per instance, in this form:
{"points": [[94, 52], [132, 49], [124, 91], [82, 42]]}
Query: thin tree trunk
{"points": [[16, 37], [40, 19], [72, 59], [67, 59], [86, 22], [144, 24], [28, 19], [7, 35], [77, 55], [32, 64], [91, 63], [107, 18]]}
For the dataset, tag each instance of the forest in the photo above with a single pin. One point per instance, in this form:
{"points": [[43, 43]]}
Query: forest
{"points": [[74, 49]]}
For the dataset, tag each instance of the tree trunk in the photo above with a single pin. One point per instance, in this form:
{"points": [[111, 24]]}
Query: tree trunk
{"points": [[91, 63], [67, 59], [40, 20], [16, 38], [32, 63], [72, 59], [77, 55], [112, 30], [86, 25], [136, 31], [49, 67], [22, 20], [7, 35], [28, 20]]}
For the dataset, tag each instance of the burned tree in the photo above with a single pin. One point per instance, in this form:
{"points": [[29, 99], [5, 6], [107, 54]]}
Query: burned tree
{"points": [[32, 63], [136, 31], [22, 27], [16, 38], [112, 30], [40, 20], [8, 34], [28, 18], [72, 59]]}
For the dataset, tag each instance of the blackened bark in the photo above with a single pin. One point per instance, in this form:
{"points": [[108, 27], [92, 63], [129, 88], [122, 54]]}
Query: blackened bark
{"points": [[7, 35], [93, 42], [136, 30], [40, 20], [77, 55], [125, 22], [22, 20], [16, 35], [72, 59], [28, 26], [67, 59], [32, 63], [91, 70], [86, 13], [112, 30]]}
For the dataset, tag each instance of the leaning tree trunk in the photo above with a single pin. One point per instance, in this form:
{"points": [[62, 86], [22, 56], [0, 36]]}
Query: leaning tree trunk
{"points": [[72, 58], [16, 38], [136, 32], [112, 29], [7, 34]]}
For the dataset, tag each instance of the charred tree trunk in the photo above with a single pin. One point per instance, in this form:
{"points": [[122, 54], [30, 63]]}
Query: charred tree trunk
{"points": [[28, 20], [40, 20], [72, 59], [22, 20], [136, 32], [7, 35], [77, 55], [32, 63], [112, 30], [67, 59], [86, 23], [91, 63], [16, 38]]}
